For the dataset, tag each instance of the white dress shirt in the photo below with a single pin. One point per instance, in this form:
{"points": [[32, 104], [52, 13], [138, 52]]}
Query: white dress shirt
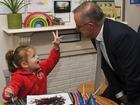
{"points": [[100, 39], [102, 46]]}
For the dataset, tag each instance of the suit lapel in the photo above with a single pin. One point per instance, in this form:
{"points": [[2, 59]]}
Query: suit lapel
{"points": [[106, 36], [107, 41]]}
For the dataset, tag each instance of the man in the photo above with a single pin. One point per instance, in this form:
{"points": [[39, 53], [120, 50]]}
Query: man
{"points": [[121, 54]]}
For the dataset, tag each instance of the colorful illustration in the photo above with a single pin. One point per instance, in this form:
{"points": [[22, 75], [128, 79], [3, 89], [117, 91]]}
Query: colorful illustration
{"points": [[40, 5], [39, 2], [108, 8]]}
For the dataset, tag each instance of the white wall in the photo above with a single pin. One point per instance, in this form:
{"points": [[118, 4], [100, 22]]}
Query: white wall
{"points": [[5, 44], [132, 15]]}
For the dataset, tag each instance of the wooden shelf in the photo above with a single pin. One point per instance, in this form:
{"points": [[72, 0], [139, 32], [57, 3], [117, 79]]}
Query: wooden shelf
{"points": [[31, 30]]}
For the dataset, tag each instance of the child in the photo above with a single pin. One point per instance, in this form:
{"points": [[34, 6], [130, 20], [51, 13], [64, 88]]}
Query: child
{"points": [[29, 75]]}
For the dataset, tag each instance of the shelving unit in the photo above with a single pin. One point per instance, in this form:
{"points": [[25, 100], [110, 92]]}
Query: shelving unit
{"points": [[103, 0], [32, 30], [23, 36], [26, 38]]}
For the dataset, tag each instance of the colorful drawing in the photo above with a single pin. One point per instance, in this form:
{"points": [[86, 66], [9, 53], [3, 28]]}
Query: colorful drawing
{"points": [[39, 2], [40, 5]]}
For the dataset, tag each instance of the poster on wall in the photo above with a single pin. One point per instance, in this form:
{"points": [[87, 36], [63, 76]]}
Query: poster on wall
{"points": [[74, 3], [134, 1], [40, 6], [62, 6], [108, 8]]}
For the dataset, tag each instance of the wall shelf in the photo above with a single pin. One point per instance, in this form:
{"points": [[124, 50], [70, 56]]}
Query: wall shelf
{"points": [[32, 30], [26, 38]]}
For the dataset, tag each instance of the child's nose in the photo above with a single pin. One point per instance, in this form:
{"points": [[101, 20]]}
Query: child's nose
{"points": [[37, 56]]}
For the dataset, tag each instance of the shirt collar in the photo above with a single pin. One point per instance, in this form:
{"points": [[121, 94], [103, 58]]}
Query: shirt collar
{"points": [[100, 35]]}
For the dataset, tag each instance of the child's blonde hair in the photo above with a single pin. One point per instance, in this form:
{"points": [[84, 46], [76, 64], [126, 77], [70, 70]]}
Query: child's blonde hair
{"points": [[14, 58]]}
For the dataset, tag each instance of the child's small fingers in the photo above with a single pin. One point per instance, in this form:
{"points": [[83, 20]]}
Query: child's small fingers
{"points": [[53, 34], [60, 37], [57, 33], [8, 92], [61, 40]]}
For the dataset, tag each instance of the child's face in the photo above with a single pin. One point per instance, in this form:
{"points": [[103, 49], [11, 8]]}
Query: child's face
{"points": [[33, 60]]}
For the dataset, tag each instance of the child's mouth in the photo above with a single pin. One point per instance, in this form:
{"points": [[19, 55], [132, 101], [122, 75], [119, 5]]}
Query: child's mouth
{"points": [[37, 62]]}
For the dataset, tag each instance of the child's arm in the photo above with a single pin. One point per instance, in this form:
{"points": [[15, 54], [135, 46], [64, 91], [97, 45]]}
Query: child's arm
{"points": [[8, 91], [48, 64], [13, 87]]}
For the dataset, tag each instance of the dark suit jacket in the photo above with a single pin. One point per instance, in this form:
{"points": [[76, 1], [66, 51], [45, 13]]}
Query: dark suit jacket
{"points": [[123, 49], [139, 30]]}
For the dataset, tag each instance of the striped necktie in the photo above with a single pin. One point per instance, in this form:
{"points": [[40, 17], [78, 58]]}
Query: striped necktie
{"points": [[99, 76], [103, 50]]}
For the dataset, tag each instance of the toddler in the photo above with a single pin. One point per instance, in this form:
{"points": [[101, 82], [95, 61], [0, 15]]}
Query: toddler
{"points": [[29, 74]]}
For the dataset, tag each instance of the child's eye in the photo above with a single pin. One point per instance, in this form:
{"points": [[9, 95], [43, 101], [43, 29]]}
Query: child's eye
{"points": [[35, 56]]}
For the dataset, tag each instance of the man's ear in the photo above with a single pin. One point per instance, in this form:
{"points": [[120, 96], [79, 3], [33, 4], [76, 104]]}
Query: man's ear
{"points": [[92, 25], [24, 64]]}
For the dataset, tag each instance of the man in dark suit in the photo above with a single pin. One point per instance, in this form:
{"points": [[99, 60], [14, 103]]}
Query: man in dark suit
{"points": [[121, 55]]}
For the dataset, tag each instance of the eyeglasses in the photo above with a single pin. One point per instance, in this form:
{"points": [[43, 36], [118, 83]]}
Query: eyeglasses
{"points": [[79, 27]]}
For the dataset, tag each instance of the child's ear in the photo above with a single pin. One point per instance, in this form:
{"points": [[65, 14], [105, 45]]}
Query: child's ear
{"points": [[24, 64]]}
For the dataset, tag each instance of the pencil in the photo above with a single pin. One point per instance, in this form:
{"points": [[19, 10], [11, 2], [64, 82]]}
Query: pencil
{"points": [[83, 92]]}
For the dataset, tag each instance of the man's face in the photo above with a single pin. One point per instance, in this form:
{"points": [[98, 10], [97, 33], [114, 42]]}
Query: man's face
{"points": [[85, 28]]}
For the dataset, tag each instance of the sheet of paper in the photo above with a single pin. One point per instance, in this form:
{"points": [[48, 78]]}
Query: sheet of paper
{"points": [[31, 98], [40, 6]]}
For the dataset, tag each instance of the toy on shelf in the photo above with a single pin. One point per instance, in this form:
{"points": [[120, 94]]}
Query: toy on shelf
{"points": [[58, 21], [38, 19]]}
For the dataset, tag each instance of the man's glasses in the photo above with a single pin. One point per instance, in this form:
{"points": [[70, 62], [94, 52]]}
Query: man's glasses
{"points": [[79, 27]]}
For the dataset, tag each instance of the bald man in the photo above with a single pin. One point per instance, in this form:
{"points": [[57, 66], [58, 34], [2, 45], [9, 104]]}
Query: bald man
{"points": [[120, 52]]}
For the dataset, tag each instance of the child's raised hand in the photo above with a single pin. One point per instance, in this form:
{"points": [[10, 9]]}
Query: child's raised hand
{"points": [[57, 39], [8, 92]]}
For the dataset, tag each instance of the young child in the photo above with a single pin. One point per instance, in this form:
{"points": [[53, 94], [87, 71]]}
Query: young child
{"points": [[29, 74]]}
